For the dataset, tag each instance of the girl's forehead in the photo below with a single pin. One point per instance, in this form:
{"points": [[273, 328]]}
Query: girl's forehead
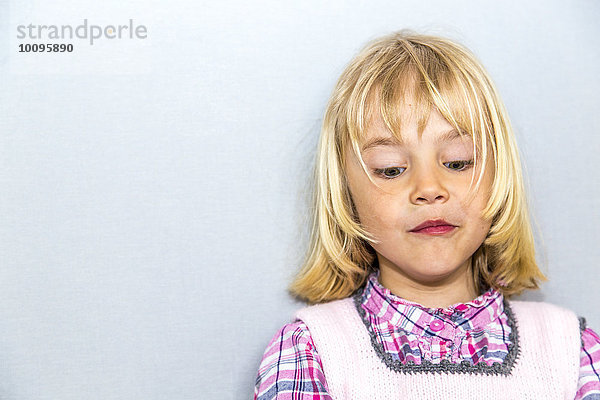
{"points": [[408, 126], [395, 110], [404, 101]]}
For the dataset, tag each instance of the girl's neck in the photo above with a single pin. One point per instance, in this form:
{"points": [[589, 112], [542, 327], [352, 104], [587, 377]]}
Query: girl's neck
{"points": [[456, 288]]}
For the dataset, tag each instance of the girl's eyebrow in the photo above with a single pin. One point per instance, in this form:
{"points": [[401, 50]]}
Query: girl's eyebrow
{"points": [[390, 141], [448, 136], [380, 141]]}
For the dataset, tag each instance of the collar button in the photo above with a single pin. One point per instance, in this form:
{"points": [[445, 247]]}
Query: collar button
{"points": [[436, 325], [461, 308]]}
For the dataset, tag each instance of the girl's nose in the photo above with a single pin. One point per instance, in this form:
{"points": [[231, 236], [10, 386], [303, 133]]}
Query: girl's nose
{"points": [[428, 187]]}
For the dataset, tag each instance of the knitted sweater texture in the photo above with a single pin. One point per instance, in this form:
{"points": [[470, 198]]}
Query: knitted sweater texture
{"points": [[546, 364]]}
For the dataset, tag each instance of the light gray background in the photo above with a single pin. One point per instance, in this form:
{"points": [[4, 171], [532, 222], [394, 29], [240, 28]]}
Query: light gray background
{"points": [[152, 202]]}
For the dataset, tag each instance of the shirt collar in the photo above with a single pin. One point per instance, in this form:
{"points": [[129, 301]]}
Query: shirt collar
{"points": [[413, 317]]}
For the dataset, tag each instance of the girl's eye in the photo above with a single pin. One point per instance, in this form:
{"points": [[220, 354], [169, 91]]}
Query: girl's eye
{"points": [[389, 173], [459, 165], [393, 172]]}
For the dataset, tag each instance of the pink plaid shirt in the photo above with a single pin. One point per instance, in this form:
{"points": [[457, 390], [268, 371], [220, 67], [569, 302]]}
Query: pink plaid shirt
{"points": [[477, 331]]}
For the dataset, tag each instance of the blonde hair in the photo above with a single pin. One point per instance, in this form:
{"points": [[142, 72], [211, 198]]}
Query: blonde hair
{"points": [[438, 73]]}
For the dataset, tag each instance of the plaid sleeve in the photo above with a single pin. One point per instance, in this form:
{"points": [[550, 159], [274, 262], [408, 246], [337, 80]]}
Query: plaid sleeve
{"points": [[291, 368], [589, 372]]}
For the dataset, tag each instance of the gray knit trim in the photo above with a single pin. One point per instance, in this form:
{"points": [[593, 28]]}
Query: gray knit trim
{"points": [[582, 327], [582, 324], [446, 366]]}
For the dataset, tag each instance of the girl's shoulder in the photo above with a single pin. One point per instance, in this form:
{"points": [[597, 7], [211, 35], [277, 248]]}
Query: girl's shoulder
{"points": [[563, 323], [334, 306], [292, 365], [552, 316], [293, 336], [328, 318], [528, 306], [296, 336], [544, 312]]}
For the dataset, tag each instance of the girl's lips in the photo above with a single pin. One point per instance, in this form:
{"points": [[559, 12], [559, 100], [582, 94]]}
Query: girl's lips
{"points": [[435, 230], [431, 223], [434, 227]]}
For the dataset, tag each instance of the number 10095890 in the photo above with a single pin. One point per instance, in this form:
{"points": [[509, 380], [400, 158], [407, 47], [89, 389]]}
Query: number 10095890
{"points": [[45, 48]]}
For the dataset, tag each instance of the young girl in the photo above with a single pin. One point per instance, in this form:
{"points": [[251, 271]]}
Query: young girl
{"points": [[421, 233]]}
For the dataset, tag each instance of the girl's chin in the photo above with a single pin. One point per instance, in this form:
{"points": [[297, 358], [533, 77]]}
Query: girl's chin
{"points": [[429, 274]]}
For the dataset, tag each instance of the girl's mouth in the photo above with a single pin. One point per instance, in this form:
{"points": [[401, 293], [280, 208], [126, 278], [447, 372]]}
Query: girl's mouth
{"points": [[434, 227], [436, 230]]}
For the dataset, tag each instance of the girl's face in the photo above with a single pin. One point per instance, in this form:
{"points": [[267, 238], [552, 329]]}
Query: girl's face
{"points": [[421, 181]]}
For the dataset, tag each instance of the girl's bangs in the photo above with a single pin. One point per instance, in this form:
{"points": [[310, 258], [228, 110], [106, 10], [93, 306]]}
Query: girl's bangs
{"points": [[405, 88], [447, 91]]}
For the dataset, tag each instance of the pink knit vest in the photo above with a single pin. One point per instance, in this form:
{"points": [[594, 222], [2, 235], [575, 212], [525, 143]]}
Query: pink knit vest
{"points": [[547, 365]]}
